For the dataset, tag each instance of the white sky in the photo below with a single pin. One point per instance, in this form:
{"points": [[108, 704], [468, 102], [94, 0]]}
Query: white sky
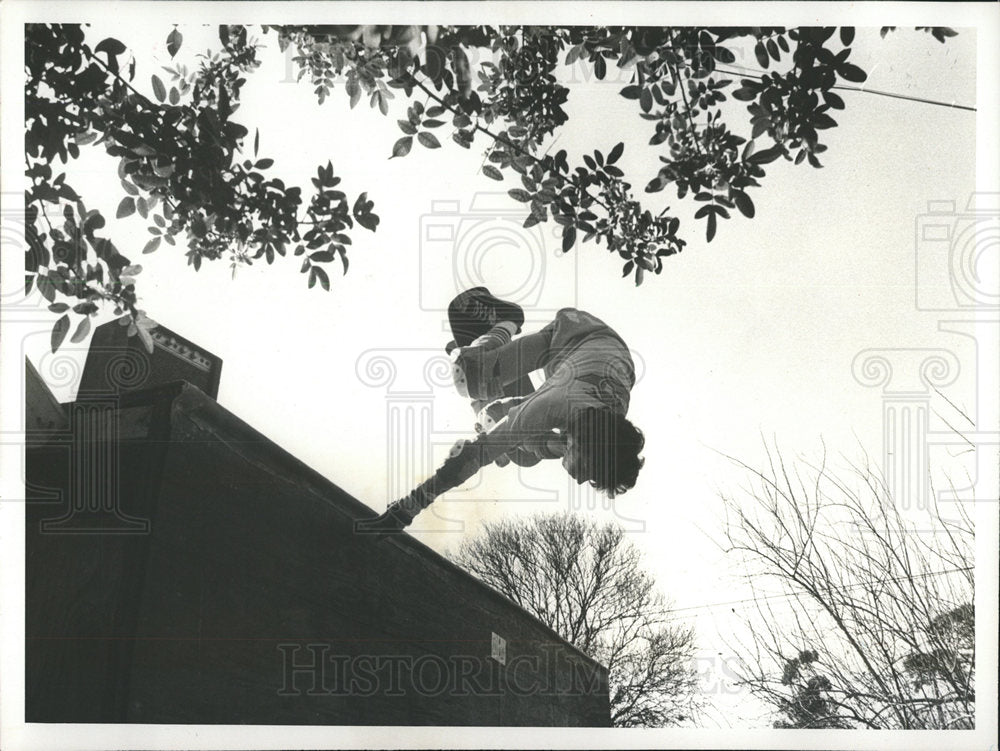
{"points": [[752, 335]]}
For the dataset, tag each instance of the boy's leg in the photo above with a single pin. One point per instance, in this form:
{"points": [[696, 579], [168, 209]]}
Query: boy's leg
{"points": [[482, 373], [479, 319]]}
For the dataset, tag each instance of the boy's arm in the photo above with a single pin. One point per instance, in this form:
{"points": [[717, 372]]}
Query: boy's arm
{"points": [[465, 459]]}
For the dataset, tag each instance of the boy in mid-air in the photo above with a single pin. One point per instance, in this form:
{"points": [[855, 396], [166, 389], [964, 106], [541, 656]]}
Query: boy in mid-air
{"points": [[577, 415]]}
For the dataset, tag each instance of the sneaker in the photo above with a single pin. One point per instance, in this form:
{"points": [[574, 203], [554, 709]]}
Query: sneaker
{"points": [[393, 520], [475, 311]]}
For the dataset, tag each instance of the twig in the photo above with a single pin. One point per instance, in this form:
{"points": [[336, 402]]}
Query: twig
{"points": [[499, 139]]}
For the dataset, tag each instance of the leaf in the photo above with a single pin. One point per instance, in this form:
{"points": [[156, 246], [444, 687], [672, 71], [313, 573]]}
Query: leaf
{"points": [[174, 40], [765, 156], [125, 208], [321, 275], [59, 331], [846, 35], [743, 203], [646, 100], [46, 287], [833, 100], [82, 139], [518, 194], [568, 238], [407, 127], [710, 229], [146, 338], [941, 32], [362, 212], [851, 72], [402, 146], [159, 89], [263, 163], [744, 94], [321, 256], [429, 140], [354, 91], [616, 153], [627, 268], [174, 96], [111, 46], [82, 329], [256, 141], [152, 245], [761, 54], [821, 120], [724, 55], [631, 92], [433, 123], [600, 68], [492, 172]]}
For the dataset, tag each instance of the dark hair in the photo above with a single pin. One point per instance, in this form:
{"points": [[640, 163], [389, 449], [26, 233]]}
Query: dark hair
{"points": [[611, 446]]}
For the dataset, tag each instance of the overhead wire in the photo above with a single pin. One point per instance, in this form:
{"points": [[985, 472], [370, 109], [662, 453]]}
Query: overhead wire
{"points": [[776, 596], [861, 89]]}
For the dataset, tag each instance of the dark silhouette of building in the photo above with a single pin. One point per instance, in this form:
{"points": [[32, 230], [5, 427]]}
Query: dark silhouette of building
{"points": [[182, 568]]}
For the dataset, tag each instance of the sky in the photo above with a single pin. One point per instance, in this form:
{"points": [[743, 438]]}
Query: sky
{"points": [[749, 339]]}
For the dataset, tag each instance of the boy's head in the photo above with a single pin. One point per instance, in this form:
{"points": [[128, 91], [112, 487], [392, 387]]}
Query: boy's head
{"points": [[602, 448]]}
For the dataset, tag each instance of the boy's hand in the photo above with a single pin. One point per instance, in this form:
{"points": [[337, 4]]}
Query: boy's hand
{"points": [[556, 444], [494, 412]]}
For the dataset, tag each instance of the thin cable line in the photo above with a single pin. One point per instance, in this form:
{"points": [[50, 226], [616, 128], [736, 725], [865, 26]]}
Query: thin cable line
{"points": [[844, 87], [707, 606]]}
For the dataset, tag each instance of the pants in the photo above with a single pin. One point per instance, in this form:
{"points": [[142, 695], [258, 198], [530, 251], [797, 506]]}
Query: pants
{"points": [[491, 365]]}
